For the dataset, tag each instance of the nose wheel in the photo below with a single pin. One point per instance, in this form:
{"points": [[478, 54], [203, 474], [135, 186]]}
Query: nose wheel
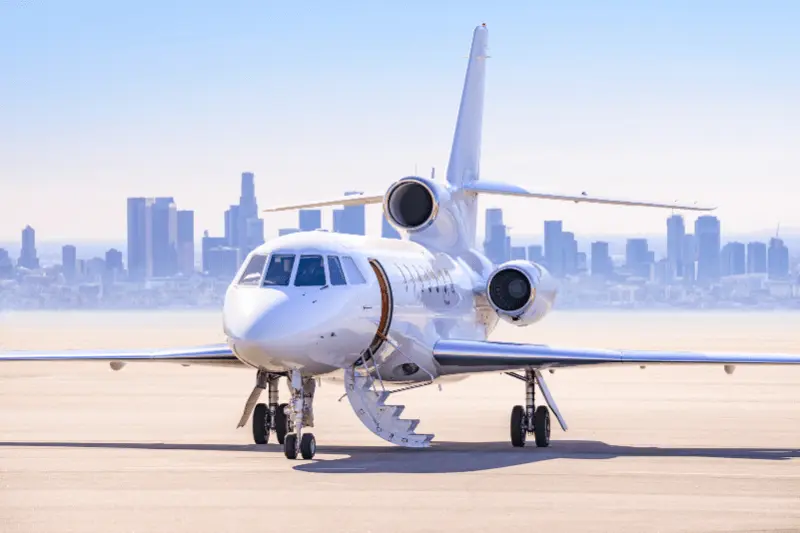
{"points": [[296, 442]]}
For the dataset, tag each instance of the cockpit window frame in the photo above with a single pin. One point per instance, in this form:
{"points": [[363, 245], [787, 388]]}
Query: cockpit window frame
{"points": [[362, 280], [289, 280], [253, 281], [322, 262]]}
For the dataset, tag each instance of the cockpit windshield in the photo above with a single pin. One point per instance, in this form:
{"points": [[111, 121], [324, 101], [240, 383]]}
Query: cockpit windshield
{"points": [[279, 271], [253, 270], [310, 271]]}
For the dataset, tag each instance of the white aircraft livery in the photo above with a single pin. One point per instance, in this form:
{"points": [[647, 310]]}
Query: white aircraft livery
{"points": [[386, 315]]}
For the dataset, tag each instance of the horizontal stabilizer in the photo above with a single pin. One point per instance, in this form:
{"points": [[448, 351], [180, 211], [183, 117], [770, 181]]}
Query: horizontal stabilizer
{"points": [[354, 199], [505, 189]]}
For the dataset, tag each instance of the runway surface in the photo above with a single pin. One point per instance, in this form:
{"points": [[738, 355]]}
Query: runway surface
{"points": [[154, 448]]}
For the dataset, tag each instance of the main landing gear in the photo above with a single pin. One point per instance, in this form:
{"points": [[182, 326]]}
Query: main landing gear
{"points": [[269, 417], [530, 419]]}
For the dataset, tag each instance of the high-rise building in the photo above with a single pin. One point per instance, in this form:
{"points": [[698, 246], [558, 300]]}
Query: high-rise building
{"points": [[497, 245], [733, 259], [553, 250], [638, 258], [186, 242], [675, 235], [114, 260], [310, 219], [536, 253], [569, 249], [387, 230], [601, 259], [164, 237], [707, 234], [212, 258], [352, 219], [140, 252], [518, 252], [689, 258], [6, 264], [777, 259], [69, 262], [756, 258], [27, 254]]}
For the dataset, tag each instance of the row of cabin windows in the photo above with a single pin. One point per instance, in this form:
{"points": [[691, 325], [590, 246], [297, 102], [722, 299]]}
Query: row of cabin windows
{"points": [[311, 271], [426, 279]]}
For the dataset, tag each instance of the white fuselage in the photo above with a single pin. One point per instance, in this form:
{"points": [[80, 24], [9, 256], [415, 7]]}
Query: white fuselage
{"points": [[322, 329]]}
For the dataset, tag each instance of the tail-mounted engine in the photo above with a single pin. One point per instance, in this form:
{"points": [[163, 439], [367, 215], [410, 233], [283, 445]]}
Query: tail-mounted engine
{"points": [[423, 208], [521, 292]]}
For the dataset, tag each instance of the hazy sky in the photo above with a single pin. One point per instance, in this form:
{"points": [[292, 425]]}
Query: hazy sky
{"points": [[658, 100]]}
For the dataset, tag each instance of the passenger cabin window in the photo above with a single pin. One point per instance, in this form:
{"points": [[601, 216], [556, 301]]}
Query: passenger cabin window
{"points": [[279, 270], [310, 271], [354, 276], [335, 271], [253, 270]]}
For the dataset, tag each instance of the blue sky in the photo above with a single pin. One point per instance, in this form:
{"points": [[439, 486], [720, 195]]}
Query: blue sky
{"points": [[658, 100]]}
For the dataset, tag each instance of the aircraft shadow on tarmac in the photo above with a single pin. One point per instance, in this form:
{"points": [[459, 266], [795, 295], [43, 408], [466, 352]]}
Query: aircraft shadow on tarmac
{"points": [[444, 457]]}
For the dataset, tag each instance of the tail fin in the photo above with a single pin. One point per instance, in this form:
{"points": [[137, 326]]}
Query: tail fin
{"points": [[465, 156]]}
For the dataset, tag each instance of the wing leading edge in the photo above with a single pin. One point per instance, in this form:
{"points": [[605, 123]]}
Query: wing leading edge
{"points": [[506, 189], [457, 356], [210, 355]]}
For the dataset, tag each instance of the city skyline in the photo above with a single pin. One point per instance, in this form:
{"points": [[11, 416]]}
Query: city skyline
{"points": [[670, 101]]}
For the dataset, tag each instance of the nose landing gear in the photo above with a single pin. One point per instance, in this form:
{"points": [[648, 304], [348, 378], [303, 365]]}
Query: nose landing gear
{"points": [[303, 415]]}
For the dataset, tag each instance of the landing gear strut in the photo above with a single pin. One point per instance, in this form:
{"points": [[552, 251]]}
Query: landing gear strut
{"points": [[530, 419], [270, 416], [302, 414]]}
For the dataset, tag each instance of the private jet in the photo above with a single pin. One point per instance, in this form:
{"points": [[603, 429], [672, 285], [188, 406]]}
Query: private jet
{"points": [[384, 316]]}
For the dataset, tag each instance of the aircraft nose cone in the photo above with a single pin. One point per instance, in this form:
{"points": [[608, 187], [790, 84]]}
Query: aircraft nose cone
{"points": [[255, 315]]}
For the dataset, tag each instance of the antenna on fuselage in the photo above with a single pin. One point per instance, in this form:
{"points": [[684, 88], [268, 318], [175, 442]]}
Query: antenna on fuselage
{"points": [[433, 173]]}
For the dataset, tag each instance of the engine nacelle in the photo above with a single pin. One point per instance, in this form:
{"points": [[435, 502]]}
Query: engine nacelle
{"points": [[521, 292], [412, 204]]}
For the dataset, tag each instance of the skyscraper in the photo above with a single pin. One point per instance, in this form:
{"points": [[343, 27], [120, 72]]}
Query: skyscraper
{"points": [[140, 258], [351, 219], [310, 219], [601, 259], [535, 253], [569, 249], [707, 234], [638, 258], [756, 258], [733, 259], [553, 250], [186, 242], [27, 254], [69, 262], [675, 234], [689, 258], [777, 259], [164, 237]]}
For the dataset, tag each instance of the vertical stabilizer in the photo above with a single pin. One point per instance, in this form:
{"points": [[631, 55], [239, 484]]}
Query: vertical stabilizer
{"points": [[465, 156]]}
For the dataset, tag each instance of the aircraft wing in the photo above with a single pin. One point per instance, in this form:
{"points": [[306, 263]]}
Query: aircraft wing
{"points": [[352, 199], [458, 356], [506, 189], [211, 355]]}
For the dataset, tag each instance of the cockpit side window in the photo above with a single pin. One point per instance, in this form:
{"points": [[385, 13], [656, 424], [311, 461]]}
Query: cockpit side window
{"points": [[253, 271], [354, 276], [279, 270], [335, 271], [310, 271]]}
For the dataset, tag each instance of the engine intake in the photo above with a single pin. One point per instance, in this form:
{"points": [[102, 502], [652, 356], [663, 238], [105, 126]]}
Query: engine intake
{"points": [[411, 204], [521, 292]]}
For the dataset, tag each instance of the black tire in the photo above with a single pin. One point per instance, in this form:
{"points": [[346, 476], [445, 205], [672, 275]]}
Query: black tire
{"points": [[308, 446], [518, 426], [289, 446], [281, 423], [541, 426], [261, 424]]}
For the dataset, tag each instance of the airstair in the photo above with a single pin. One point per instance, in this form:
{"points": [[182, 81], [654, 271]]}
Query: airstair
{"points": [[367, 396]]}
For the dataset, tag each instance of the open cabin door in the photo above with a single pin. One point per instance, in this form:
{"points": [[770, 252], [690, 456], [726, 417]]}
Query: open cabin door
{"points": [[387, 306]]}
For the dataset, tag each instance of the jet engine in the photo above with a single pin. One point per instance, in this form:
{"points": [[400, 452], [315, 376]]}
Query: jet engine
{"points": [[412, 203], [521, 292]]}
